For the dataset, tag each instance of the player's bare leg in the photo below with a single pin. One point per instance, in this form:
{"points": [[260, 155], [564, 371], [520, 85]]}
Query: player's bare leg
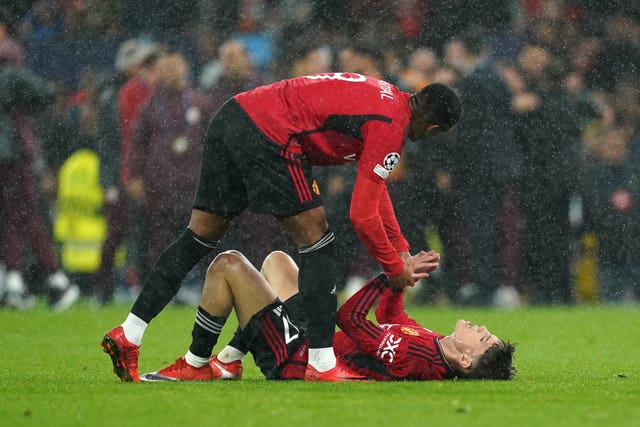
{"points": [[233, 282], [281, 272]]}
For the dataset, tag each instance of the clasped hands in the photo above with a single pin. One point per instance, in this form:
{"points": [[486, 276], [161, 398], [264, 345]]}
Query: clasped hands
{"points": [[416, 267]]}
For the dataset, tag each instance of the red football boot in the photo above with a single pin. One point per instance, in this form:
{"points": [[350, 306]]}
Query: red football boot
{"points": [[180, 370], [124, 355], [339, 373], [225, 371]]}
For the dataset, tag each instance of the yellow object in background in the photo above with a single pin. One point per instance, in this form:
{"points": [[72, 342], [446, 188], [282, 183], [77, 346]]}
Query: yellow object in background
{"points": [[586, 270], [79, 226]]}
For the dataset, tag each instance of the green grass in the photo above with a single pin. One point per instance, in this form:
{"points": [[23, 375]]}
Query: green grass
{"points": [[577, 366]]}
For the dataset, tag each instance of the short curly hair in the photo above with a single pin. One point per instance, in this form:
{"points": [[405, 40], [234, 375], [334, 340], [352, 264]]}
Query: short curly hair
{"points": [[439, 104], [496, 363]]}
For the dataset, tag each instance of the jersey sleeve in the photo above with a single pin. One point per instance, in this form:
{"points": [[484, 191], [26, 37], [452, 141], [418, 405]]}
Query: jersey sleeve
{"points": [[382, 144], [390, 222], [369, 225], [390, 308], [352, 316]]}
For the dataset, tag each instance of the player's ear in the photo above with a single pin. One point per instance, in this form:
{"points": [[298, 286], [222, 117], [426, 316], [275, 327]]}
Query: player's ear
{"points": [[464, 360]]}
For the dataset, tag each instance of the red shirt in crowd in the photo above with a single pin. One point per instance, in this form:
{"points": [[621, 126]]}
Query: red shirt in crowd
{"points": [[338, 118], [131, 98]]}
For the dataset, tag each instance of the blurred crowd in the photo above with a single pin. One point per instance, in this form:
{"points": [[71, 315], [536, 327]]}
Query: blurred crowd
{"points": [[534, 198]]}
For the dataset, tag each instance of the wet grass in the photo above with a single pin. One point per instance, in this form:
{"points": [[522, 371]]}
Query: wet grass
{"points": [[577, 366]]}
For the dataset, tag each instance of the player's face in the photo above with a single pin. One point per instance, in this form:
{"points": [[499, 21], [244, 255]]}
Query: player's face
{"points": [[473, 339]]}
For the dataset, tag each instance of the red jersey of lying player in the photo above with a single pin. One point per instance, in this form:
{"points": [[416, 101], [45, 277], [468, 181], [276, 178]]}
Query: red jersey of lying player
{"points": [[397, 348], [338, 118]]}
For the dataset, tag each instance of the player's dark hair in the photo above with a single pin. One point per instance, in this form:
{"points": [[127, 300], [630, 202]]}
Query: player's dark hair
{"points": [[496, 363], [438, 103]]}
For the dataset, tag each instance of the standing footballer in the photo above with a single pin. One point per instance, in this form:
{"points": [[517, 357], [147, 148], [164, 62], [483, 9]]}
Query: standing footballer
{"points": [[259, 151]]}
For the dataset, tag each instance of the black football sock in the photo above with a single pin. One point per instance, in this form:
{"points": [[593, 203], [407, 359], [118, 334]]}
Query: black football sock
{"points": [[205, 333], [240, 341], [317, 286], [170, 269]]}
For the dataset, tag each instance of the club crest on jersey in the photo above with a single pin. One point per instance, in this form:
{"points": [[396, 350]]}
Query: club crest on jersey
{"points": [[408, 331]]}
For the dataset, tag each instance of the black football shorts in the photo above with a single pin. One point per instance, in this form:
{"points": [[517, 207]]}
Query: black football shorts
{"points": [[242, 168], [275, 337]]}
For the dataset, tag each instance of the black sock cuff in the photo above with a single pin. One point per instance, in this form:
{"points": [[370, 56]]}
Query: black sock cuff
{"points": [[211, 244], [325, 240], [208, 322]]}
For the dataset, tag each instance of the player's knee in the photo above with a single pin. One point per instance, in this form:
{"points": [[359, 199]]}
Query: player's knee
{"points": [[273, 261], [225, 261]]}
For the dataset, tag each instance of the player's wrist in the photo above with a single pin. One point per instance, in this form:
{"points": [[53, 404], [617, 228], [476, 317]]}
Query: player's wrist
{"points": [[394, 269]]}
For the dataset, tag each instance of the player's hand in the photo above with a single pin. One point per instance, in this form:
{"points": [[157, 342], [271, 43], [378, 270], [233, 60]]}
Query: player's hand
{"points": [[416, 267], [426, 262]]}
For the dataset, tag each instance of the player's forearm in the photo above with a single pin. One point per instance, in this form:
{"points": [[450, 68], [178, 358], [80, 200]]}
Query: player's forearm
{"points": [[390, 222], [352, 316], [373, 237], [368, 225], [390, 308]]}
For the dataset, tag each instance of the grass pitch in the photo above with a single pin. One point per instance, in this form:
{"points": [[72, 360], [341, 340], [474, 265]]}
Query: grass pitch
{"points": [[577, 366]]}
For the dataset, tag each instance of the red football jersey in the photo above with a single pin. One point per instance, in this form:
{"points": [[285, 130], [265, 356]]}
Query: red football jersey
{"points": [[332, 118], [337, 118], [397, 348]]}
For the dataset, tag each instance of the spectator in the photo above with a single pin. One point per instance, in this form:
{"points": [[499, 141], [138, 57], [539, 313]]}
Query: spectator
{"points": [[313, 60], [611, 199], [134, 64], [131, 97], [486, 161], [22, 94], [166, 142], [548, 133], [237, 73], [423, 64]]}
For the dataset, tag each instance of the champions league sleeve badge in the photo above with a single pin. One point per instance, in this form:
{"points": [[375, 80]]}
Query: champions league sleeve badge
{"points": [[389, 163]]}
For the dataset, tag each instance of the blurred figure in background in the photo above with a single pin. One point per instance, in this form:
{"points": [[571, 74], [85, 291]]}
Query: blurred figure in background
{"points": [[420, 70], [134, 59], [314, 59], [548, 133], [486, 163], [22, 94], [610, 189], [131, 97], [236, 73], [166, 145]]}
